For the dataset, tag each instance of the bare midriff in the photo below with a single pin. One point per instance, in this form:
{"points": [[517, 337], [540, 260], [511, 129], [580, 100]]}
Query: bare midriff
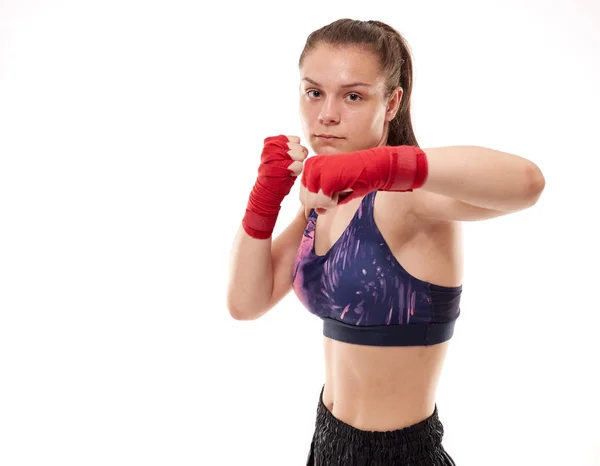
{"points": [[381, 388]]}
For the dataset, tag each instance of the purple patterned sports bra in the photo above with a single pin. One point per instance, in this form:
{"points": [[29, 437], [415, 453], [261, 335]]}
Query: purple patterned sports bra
{"points": [[363, 294]]}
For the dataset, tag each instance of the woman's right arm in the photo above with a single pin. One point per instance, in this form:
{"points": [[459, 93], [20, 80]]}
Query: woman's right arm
{"points": [[260, 270]]}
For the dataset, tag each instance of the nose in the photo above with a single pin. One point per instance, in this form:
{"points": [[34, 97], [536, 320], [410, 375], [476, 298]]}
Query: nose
{"points": [[329, 114]]}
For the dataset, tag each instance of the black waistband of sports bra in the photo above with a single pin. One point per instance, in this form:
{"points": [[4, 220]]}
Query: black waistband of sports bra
{"points": [[388, 335]]}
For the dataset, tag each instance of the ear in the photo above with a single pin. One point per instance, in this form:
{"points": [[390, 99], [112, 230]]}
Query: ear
{"points": [[394, 104]]}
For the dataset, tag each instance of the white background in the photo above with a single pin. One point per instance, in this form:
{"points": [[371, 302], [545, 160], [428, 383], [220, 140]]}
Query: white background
{"points": [[130, 136]]}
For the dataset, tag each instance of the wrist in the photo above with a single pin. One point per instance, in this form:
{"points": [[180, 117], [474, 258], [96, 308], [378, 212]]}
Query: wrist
{"points": [[408, 168], [259, 226], [264, 205]]}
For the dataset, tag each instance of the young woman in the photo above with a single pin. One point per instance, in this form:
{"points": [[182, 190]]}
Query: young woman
{"points": [[375, 249]]}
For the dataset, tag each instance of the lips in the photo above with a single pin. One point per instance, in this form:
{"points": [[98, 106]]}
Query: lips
{"points": [[328, 136]]}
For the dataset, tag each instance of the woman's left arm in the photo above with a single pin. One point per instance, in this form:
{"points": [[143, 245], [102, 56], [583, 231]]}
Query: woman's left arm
{"points": [[483, 177]]}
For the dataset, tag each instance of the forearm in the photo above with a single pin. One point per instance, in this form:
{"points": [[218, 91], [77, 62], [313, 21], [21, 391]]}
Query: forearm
{"points": [[483, 177]]}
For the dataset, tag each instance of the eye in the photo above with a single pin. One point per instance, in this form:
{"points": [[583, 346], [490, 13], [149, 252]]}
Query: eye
{"points": [[314, 96], [356, 97]]}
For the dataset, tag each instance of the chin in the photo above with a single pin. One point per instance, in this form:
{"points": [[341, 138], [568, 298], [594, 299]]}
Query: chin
{"points": [[328, 150]]}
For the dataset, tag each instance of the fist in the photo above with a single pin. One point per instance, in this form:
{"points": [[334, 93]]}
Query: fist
{"points": [[297, 153], [280, 164], [317, 176]]}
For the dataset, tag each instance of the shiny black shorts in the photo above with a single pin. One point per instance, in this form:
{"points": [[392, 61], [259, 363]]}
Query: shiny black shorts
{"points": [[336, 443]]}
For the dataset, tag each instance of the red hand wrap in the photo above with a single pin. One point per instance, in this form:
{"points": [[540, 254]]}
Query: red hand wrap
{"points": [[384, 168], [273, 183]]}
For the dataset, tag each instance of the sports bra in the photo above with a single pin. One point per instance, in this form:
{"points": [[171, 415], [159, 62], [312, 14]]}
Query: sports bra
{"points": [[364, 295]]}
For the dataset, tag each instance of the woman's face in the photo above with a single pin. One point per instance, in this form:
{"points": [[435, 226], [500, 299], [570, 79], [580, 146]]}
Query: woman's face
{"points": [[342, 96]]}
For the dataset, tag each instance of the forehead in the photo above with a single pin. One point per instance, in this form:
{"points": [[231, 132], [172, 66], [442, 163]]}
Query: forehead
{"points": [[329, 65]]}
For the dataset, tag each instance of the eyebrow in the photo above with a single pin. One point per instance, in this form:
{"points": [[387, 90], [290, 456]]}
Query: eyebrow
{"points": [[343, 86]]}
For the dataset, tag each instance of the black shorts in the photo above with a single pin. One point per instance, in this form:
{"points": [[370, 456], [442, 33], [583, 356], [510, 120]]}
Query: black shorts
{"points": [[336, 443]]}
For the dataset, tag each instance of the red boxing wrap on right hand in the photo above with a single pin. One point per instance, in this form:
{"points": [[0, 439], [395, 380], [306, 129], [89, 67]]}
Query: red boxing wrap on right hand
{"points": [[273, 183]]}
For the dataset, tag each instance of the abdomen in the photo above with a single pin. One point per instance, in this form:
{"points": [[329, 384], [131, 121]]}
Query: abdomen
{"points": [[381, 388]]}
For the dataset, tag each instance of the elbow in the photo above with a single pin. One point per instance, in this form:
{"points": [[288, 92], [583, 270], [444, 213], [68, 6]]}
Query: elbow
{"points": [[237, 313], [534, 183]]}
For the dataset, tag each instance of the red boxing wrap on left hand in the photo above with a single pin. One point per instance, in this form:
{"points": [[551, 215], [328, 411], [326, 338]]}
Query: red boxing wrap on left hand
{"points": [[384, 168]]}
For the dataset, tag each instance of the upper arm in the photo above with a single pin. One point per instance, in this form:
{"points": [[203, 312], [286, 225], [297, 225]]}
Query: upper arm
{"points": [[427, 204], [283, 254]]}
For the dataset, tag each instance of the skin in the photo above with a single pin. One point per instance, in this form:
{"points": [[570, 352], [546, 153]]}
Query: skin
{"points": [[373, 388], [323, 102]]}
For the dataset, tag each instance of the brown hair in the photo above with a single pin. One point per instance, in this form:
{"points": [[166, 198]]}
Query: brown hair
{"points": [[394, 57]]}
